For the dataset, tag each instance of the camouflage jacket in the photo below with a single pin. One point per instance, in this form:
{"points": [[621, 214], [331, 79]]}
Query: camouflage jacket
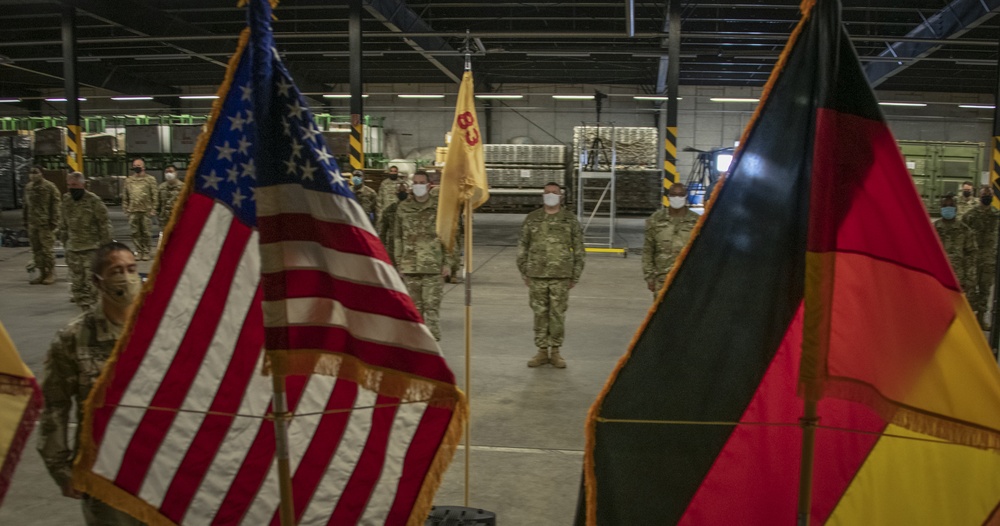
{"points": [[85, 224], [416, 246], [385, 230], [387, 194], [983, 220], [41, 205], [965, 204], [666, 236], [140, 194], [73, 364], [959, 243], [367, 197], [167, 196], [551, 246]]}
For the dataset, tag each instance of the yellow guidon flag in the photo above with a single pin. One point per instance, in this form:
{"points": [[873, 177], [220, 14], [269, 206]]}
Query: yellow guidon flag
{"points": [[464, 176], [20, 404]]}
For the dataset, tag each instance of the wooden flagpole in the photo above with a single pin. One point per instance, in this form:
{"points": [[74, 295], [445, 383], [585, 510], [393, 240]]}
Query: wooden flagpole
{"points": [[281, 418], [468, 336]]}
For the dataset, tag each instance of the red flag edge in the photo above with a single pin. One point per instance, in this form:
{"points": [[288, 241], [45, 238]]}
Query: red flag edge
{"points": [[17, 386], [590, 430]]}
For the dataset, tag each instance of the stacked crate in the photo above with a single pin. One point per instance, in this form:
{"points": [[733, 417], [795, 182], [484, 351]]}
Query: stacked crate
{"points": [[518, 172], [15, 163], [637, 174]]}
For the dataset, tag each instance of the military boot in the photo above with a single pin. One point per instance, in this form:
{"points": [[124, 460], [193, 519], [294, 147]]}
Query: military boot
{"points": [[49, 279], [541, 358], [556, 360]]}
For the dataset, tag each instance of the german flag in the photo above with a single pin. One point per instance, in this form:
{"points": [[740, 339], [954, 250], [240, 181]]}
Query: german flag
{"points": [[815, 275]]}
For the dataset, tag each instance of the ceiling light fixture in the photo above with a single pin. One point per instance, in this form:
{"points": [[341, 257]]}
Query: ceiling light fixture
{"points": [[573, 97], [341, 96], [977, 106], [63, 99], [653, 97], [163, 57], [419, 96], [10, 100], [199, 97], [732, 99], [131, 98], [499, 96], [905, 104]]}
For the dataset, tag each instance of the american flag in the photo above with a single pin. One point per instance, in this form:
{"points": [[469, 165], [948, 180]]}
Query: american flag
{"points": [[270, 250]]}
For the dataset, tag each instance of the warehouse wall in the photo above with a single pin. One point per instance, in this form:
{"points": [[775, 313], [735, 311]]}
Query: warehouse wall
{"points": [[703, 124]]}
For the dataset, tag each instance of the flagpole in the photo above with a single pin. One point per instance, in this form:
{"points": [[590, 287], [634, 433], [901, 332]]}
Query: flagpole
{"points": [[281, 418], [468, 336], [808, 422]]}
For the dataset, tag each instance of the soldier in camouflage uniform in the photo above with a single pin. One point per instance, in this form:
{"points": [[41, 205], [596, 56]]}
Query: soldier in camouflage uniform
{"points": [[550, 257], [140, 201], [386, 194], [959, 243], [967, 200], [366, 196], [41, 218], [84, 227], [385, 231], [668, 230], [167, 194], [983, 220], [419, 254], [73, 364]]}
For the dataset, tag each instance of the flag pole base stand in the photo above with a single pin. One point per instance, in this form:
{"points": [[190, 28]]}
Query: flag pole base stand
{"points": [[460, 516]]}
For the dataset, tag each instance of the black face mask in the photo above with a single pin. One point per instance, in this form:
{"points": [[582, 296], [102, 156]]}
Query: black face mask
{"points": [[986, 199], [393, 176], [402, 195], [76, 193], [137, 169], [967, 193]]}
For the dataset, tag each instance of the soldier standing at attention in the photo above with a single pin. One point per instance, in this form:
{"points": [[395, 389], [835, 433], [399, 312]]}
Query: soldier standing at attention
{"points": [[168, 192], [967, 200], [84, 227], [366, 196], [983, 220], [74, 362], [550, 257], [386, 194], [140, 201], [668, 230], [419, 254], [959, 243], [41, 218], [385, 231]]}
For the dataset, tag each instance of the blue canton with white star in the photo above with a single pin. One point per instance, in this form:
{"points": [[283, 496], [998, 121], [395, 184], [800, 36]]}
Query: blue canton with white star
{"points": [[235, 162]]}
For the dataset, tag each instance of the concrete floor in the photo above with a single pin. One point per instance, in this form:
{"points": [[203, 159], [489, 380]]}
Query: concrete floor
{"points": [[527, 424]]}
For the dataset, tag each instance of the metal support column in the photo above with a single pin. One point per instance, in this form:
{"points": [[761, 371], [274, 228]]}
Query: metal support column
{"points": [[670, 175], [357, 109], [74, 141]]}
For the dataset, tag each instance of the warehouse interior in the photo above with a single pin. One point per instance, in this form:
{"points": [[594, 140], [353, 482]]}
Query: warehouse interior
{"points": [[551, 77]]}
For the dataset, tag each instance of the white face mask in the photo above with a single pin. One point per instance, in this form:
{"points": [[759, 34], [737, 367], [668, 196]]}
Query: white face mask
{"points": [[677, 201], [550, 199], [170, 176], [420, 190], [121, 289]]}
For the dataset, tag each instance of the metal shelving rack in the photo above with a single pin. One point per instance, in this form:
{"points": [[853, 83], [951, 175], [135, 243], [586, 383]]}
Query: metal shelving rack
{"points": [[595, 188]]}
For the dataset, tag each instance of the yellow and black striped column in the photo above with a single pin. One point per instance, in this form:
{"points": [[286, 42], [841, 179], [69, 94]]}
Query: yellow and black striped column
{"points": [[357, 143], [670, 175], [995, 171], [74, 148]]}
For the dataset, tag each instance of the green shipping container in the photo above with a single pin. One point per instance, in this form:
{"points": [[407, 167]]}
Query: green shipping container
{"points": [[940, 168]]}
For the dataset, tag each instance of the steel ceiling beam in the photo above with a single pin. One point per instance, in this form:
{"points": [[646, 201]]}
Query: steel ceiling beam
{"points": [[399, 18], [956, 18]]}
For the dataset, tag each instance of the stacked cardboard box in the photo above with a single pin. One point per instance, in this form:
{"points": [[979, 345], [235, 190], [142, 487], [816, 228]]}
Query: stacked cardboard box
{"points": [[15, 163]]}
